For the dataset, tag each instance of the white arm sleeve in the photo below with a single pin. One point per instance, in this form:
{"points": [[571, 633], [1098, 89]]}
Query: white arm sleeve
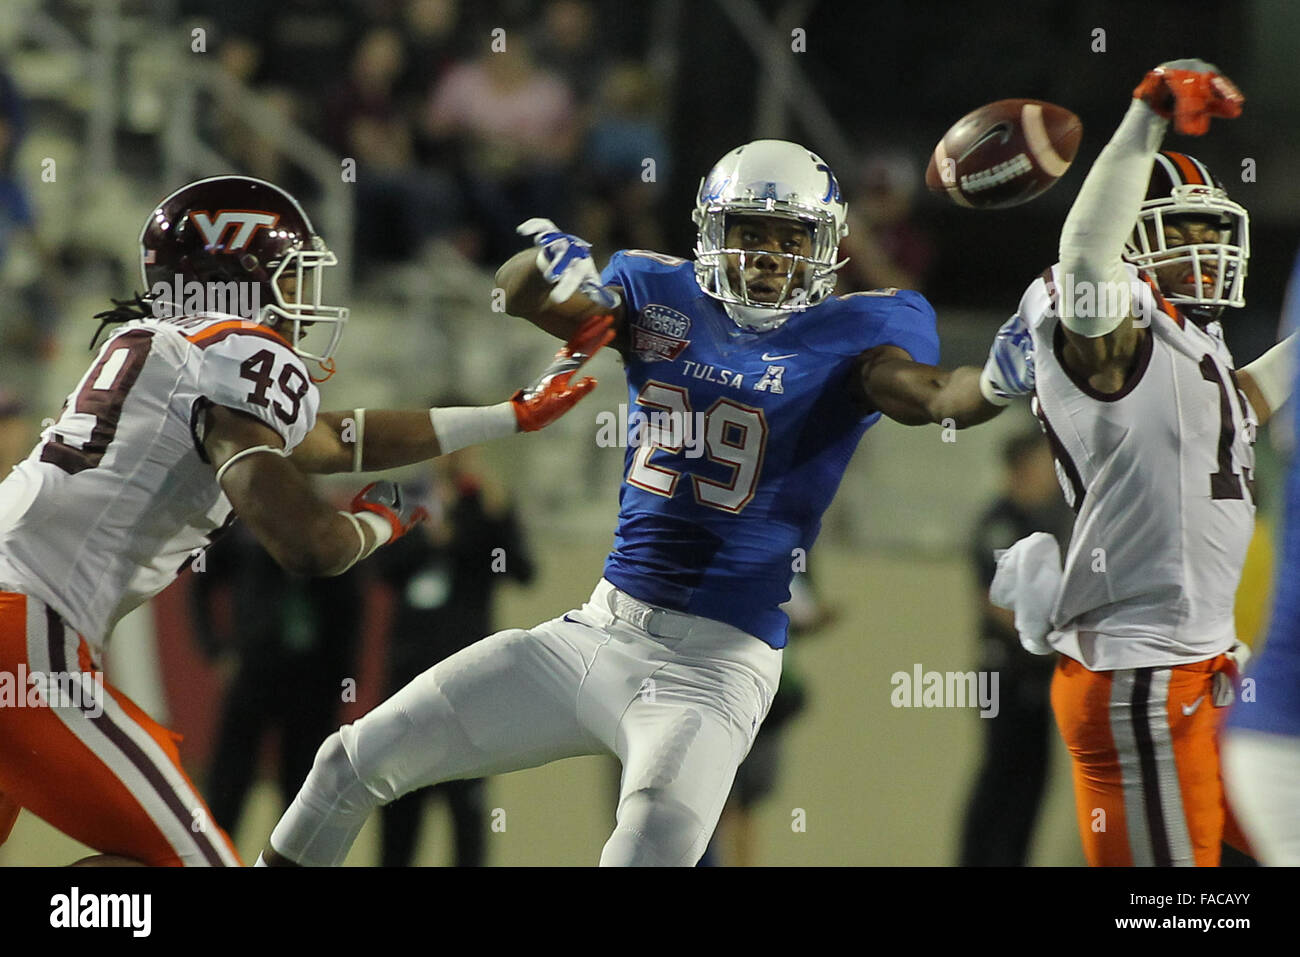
{"points": [[1103, 214], [1274, 372]]}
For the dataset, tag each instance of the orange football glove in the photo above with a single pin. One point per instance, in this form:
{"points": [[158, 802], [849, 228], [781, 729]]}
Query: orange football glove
{"points": [[551, 394], [386, 500], [1190, 92]]}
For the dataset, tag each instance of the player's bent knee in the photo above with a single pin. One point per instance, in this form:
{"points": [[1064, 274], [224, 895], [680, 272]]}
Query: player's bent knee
{"points": [[410, 741], [654, 830]]}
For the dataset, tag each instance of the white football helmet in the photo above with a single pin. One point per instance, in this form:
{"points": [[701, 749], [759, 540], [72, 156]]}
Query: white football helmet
{"points": [[1182, 186], [769, 178]]}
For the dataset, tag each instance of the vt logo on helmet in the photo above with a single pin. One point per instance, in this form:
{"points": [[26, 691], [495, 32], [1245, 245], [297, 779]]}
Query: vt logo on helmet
{"points": [[244, 222], [237, 229], [770, 219]]}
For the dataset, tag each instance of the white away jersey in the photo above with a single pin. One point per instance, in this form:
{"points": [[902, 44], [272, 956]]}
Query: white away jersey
{"points": [[1160, 478], [119, 494]]}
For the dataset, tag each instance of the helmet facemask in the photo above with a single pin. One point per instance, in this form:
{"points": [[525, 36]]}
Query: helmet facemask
{"points": [[804, 280], [304, 307], [1218, 268]]}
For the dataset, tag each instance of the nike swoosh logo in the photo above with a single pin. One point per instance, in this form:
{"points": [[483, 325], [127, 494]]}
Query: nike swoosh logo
{"points": [[767, 358], [1188, 709], [1001, 130]]}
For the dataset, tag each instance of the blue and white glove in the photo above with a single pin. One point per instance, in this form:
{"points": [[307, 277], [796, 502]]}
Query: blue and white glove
{"points": [[565, 261], [1009, 371]]}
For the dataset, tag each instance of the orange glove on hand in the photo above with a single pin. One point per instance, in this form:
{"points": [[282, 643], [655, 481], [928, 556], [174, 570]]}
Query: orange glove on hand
{"points": [[1190, 92], [551, 394], [386, 500]]}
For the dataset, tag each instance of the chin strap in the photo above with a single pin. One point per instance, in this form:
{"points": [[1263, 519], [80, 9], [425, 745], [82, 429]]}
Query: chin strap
{"points": [[1200, 314], [327, 366]]}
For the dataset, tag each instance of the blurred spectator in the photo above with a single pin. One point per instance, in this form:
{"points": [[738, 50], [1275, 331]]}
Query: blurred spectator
{"points": [[17, 212], [514, 128], [434, 40], [294, 47], [296, 641], [16, 437], [252, 151], [27, 324], [568, 45], [399, 206], [626, 160], [885, 247], [303, 42], [1008, 790], [239, 51], [445, 574]]}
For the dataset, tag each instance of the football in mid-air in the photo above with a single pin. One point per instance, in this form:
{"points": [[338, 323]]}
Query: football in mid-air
{"points": [[1004, 154]]}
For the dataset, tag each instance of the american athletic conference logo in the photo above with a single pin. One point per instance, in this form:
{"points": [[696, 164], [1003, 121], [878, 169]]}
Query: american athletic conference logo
{"points": [[659, 333]]}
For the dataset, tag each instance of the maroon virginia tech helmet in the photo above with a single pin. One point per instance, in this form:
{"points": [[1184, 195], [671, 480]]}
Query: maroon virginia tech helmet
{"points": [[236, 229]]}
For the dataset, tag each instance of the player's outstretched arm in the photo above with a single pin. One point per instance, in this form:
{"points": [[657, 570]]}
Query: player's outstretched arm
{"points": [[555, 285], [304, 534], [1103, 342], [370, 440], [913, 393], [1268, 380], [916, 394]]}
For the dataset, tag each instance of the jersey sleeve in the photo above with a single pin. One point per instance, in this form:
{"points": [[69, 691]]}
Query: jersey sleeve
{"points": [[1009, 368], [911, 325], [1038, 310], [620, 272], [256, 374], [634, 270], [881, 317]]}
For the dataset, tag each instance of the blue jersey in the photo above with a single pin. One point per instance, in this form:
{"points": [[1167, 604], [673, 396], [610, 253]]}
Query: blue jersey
{"points": [[1273, 703], [737, 440]]}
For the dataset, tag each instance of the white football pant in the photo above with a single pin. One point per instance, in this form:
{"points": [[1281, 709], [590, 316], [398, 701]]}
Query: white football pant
{"points": [[677, 698], [1261, 772]]}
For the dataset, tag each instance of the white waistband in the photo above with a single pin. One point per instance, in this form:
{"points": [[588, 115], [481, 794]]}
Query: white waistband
{"points": [[653, 620]]}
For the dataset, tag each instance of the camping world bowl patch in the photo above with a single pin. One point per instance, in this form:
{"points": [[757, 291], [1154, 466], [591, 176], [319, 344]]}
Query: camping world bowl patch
{"points": [[659, 333]]}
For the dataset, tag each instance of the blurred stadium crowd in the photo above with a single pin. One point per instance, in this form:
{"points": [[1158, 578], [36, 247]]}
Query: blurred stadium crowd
{"points": [[449, 123], [419, 133]]}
